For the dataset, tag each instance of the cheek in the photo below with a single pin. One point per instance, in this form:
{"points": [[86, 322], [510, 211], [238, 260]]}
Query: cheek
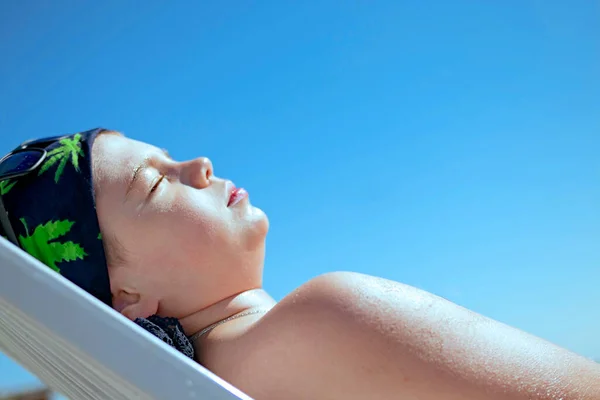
{"points": [[190, 223]]}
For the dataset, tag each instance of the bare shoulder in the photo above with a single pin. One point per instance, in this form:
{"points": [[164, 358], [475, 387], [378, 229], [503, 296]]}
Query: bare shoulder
{"points": [[327, 339], [347, 335]]}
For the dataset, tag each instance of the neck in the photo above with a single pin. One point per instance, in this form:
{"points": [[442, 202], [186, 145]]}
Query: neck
{"points": [[245, 302]]}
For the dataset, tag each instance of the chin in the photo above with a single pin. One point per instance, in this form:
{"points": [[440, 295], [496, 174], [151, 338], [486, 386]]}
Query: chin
{"points": [[258, 227]]}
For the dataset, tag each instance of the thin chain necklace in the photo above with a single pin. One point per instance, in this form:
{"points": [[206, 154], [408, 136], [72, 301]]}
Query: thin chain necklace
{"points": [[213, 326]]}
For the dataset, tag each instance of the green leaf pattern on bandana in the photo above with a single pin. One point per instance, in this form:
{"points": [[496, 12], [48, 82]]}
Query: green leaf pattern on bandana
{"points": [[43, 242], [39, 244], [5, 186], [70, 149]]}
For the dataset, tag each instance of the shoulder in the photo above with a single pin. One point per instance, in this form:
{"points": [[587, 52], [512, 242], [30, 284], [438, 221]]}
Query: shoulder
{"points": [[345, 300], [334, 288], [355, 297], [332, 301], [354, 336], [322, 331]]}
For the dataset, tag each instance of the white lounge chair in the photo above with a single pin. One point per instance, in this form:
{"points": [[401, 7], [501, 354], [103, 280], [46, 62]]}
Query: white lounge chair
{"points": [[82, 348]]}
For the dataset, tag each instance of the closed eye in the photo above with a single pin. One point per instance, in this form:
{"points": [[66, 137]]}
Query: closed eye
{"points": [[155, 186]]}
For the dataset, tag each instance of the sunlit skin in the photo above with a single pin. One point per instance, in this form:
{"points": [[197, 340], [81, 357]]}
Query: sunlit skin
{"points": [[180, 251]]}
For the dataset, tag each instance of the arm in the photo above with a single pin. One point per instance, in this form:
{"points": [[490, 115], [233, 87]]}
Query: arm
{"points": [[347, 335]]}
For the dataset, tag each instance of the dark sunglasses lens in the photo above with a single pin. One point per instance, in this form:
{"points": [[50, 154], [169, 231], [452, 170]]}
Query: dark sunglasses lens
{"points": [[18, 163]]}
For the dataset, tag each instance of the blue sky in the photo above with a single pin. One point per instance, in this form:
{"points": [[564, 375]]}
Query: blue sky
{"points": [[450, 145]]}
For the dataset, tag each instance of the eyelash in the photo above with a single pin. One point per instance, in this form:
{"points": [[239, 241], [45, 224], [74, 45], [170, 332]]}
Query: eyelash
{"points": [[160, 179]]}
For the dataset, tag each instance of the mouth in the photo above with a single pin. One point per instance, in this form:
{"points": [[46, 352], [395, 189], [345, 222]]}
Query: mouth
{"points": [[235, 195]]}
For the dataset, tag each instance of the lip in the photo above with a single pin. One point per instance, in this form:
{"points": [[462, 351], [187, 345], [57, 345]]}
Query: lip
{"points": [[235, 194]]}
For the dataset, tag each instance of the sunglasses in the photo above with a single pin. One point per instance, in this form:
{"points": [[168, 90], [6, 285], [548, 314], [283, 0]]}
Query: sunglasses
{"points": [[20, 162]]}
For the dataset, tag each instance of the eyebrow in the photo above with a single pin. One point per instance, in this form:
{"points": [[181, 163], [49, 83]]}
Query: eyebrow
{"points": [[140, 167], [136, 172]]}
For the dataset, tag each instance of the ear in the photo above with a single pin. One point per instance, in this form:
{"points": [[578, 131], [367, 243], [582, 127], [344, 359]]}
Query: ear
{"points": [[132, 305]]}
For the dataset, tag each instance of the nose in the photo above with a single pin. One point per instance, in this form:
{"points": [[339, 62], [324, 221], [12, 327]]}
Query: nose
{"points": [[197, 172]]}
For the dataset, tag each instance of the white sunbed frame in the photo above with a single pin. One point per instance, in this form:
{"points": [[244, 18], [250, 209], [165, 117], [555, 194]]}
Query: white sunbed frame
{"points": [[82, 348]]}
